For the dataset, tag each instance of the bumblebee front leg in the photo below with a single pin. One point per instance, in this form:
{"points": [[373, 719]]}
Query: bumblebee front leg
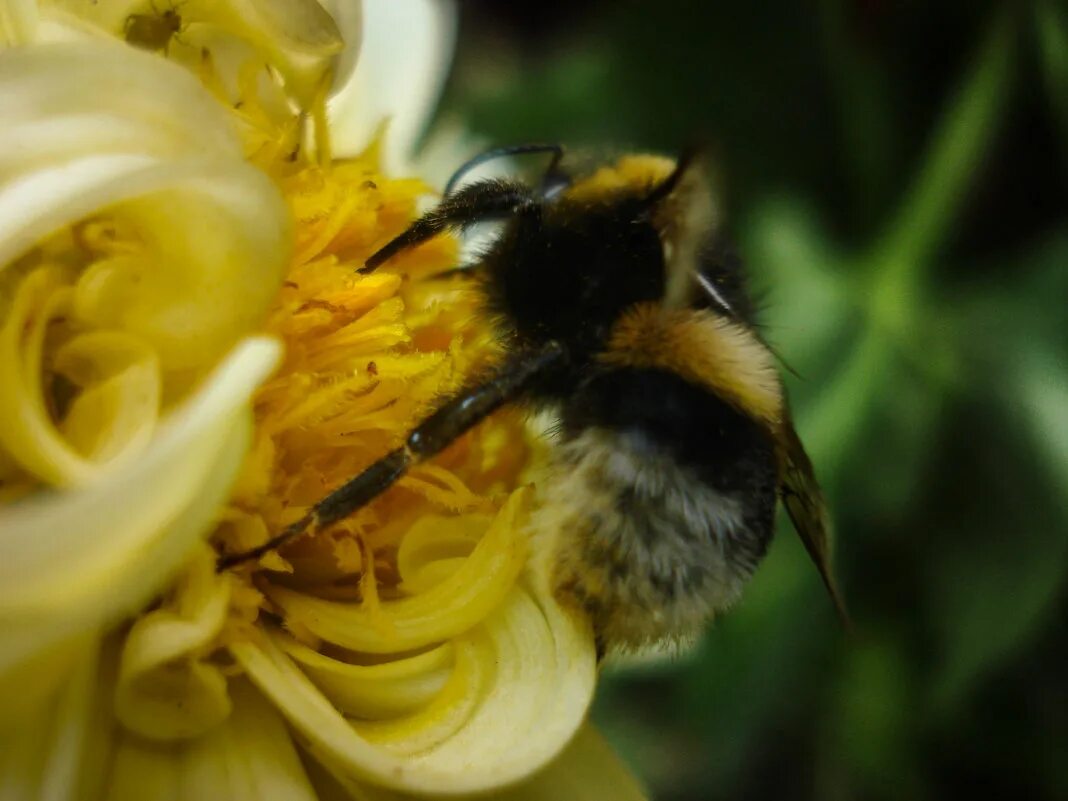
{"points": [[480, 202], [454, 418]]}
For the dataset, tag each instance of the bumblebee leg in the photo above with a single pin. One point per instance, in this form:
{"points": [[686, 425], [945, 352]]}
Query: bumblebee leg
{"points": [[453, 272], [479, 202], [456, 416]]}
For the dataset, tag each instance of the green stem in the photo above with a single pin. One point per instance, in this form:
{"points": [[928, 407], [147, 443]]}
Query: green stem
{"points": [[897, 260], [953, 156], [829, 426]]}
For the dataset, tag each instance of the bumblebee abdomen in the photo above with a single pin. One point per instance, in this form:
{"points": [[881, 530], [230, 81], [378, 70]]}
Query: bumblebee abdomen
{"points": [[659, 506]]}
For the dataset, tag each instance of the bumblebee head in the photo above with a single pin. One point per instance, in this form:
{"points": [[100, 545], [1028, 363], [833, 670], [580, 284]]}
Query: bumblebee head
{"points": [[593, 244], [673, 196]]}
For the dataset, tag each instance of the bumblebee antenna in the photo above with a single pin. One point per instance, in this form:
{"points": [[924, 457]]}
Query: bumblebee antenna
{"points": [[502, 152], [478, 202]]}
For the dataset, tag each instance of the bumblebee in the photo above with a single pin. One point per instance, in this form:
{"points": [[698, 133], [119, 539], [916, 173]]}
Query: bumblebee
{"points": [[622, 314]]}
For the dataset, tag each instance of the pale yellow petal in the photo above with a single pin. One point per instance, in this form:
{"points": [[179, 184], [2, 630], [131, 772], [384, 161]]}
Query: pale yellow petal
{"points": [[520, 689], [142, 770], [250, 757], [456, 604], [141, 138], [297, 36], [112, 418], [165, 689], [348, 16], [31, 672], [587, 770], [18, 22], [53, 754], [383, 690], [123, 536]]}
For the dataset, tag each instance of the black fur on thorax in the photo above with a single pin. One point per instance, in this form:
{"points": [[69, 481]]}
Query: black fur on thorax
{"points": [[565, 271]]}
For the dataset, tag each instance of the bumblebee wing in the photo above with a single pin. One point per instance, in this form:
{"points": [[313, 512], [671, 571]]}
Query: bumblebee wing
{"points": [[803, 499]]}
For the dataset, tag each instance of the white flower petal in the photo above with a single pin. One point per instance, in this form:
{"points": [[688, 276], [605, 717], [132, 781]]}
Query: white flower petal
{"points": [[348, 16], [407, 47], [124, 102]]}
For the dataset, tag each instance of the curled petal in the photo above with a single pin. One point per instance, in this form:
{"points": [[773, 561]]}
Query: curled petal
{"points": [[119, 538], [117, 409], [298, 36], [520, 688], [375, 691], [140, 137], [431, 551], [587, 770], [113, 416], [449, 608], [250, 756], [165, 691]]}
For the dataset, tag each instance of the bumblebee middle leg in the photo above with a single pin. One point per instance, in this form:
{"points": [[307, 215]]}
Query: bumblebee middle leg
{"points": [[453, 418]]}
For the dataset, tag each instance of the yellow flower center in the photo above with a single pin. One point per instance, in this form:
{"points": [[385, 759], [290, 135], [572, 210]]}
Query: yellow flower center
{"points": [[366, 357]]}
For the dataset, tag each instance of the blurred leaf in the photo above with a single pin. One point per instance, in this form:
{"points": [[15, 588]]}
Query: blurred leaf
{"points": [[886, 455], [987, 602], [1051, 27], [872, 721], [993, 589], [1043, 386], [796, 266]]}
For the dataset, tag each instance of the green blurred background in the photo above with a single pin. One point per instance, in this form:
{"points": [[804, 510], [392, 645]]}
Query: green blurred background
{"points": [[896, 175]]}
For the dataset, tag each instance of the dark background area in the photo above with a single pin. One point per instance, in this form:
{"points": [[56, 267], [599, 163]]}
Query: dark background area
{"points": [[896, 175]]}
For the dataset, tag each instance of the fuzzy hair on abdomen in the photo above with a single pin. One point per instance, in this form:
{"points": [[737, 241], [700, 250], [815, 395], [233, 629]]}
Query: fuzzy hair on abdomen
{"points": [[640, 541]]}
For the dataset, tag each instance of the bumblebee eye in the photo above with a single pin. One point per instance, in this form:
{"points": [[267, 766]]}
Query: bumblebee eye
{"points": [[554, 182]]}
